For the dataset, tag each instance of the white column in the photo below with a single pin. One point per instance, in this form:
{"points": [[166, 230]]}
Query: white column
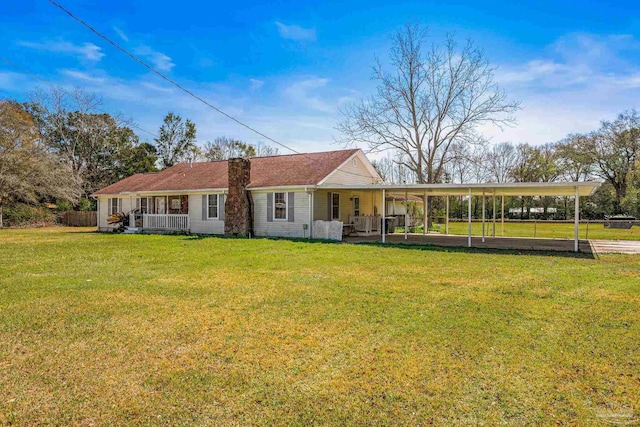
{"points": [[576, 222], [483, 214], [310, 213], [406, 213], [469, 214], [384, 215], [424, 210], [494, 214], [446, 218], [502, 215]]}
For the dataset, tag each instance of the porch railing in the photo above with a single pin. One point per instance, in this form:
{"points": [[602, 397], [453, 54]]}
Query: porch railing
{"points": [[166, 221]]}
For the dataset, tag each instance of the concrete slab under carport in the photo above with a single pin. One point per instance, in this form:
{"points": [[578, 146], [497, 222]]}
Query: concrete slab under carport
{"points": [[503, 243]]}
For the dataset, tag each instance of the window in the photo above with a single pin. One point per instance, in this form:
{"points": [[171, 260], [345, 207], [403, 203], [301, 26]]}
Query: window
{"points": [[356, 206], [280, 205], [143, 205], [335, 206], [114, 206], [213, 206], [355, 162]]}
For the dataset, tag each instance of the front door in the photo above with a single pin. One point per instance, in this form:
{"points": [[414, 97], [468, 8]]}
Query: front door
{"points": [[356, 206], [160, 205]]}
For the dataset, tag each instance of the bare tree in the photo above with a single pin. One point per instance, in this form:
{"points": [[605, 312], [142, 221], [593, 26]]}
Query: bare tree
{"points": [[501, 160], [427, 102]]}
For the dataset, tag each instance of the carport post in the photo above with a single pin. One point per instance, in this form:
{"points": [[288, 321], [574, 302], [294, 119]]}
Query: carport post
{"points": [[483, 214], [576, 221], [469, 215], [502, 215], [406, 213], [494, 214], [384, 216], [426, 214], [446, 218]]}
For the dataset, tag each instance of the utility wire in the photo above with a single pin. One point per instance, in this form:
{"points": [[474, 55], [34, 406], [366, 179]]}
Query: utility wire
{"points": [[178, 85], [43, 80]]}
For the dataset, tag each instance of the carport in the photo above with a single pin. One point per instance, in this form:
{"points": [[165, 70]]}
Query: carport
{"points": [[491, 191]]}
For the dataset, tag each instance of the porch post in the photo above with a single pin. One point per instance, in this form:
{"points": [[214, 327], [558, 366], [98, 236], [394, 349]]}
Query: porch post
{"points": [[494, 214], [483, 214], [576, 221], [469, 215], [310, 213], [384, 215], [446, 218]]}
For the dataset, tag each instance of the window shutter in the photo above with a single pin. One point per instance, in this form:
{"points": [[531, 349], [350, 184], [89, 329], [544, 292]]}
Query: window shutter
{"points": [[138, 203], [291, 205], [119, 205], [329, 210], [269, 207], [221, 207], [150, 205], [205, 206]]}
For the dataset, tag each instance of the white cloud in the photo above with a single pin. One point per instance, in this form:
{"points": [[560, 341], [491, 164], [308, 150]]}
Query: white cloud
{"points": [[296, 32], [300, 92], [85, 77], [579, 80], [158, 59], [121, 34], [256, 84], [88, 51]]}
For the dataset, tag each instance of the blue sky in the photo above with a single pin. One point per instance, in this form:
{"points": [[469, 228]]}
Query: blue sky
{"points": [[287, 67]]}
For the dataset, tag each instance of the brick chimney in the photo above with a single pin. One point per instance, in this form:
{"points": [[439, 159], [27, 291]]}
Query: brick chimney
{"points": [[238, 208]]}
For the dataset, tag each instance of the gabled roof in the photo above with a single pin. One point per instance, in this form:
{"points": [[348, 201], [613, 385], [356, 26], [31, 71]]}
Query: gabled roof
{"points": [[273, 171]]}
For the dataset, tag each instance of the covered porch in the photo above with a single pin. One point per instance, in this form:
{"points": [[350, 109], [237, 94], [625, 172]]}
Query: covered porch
{"points": [[161, 213], [488, 192]]}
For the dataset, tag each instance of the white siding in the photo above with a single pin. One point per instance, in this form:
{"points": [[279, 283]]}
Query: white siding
{"points": [[350, 174], [103, 211], [197, 225], [280, 228]]}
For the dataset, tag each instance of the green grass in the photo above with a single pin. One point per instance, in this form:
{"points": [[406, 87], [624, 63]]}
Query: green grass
{"points": [[105, 329], [540, 229]]}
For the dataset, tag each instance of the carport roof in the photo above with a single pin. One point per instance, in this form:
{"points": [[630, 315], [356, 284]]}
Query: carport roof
{"points": [[585, 188]]}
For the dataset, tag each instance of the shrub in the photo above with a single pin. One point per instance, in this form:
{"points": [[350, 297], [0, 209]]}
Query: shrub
{"points": [[21, 215]]}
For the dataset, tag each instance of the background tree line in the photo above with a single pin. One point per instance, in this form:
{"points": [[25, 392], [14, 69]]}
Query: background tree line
{"points": [[60, 147]]}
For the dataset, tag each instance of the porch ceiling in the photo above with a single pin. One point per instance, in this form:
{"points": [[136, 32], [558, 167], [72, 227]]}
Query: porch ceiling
{"points": [[506, 189]]}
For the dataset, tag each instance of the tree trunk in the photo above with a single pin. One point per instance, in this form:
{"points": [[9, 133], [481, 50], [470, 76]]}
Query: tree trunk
{"points": [[621, 192]]}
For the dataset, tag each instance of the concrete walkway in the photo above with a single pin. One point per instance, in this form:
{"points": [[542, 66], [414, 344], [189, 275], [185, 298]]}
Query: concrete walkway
{"points": [[616, 246]]}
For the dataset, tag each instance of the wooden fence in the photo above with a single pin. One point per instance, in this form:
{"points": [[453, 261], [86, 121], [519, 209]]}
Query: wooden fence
{"points": [[78, 218]]}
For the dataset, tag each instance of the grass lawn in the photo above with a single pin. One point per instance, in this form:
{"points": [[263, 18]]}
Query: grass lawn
{"points": [[105, 329], [541, 229]]}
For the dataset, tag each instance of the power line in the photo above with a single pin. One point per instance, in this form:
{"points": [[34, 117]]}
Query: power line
{"points": [[176, 84], [43, 80]]}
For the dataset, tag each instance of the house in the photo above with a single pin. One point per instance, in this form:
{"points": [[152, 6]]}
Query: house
{"points": [[265, 196], [321, 195]]}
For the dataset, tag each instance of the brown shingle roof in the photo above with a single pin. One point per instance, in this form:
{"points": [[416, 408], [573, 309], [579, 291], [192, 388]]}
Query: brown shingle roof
{"points": [[274, 171]]}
